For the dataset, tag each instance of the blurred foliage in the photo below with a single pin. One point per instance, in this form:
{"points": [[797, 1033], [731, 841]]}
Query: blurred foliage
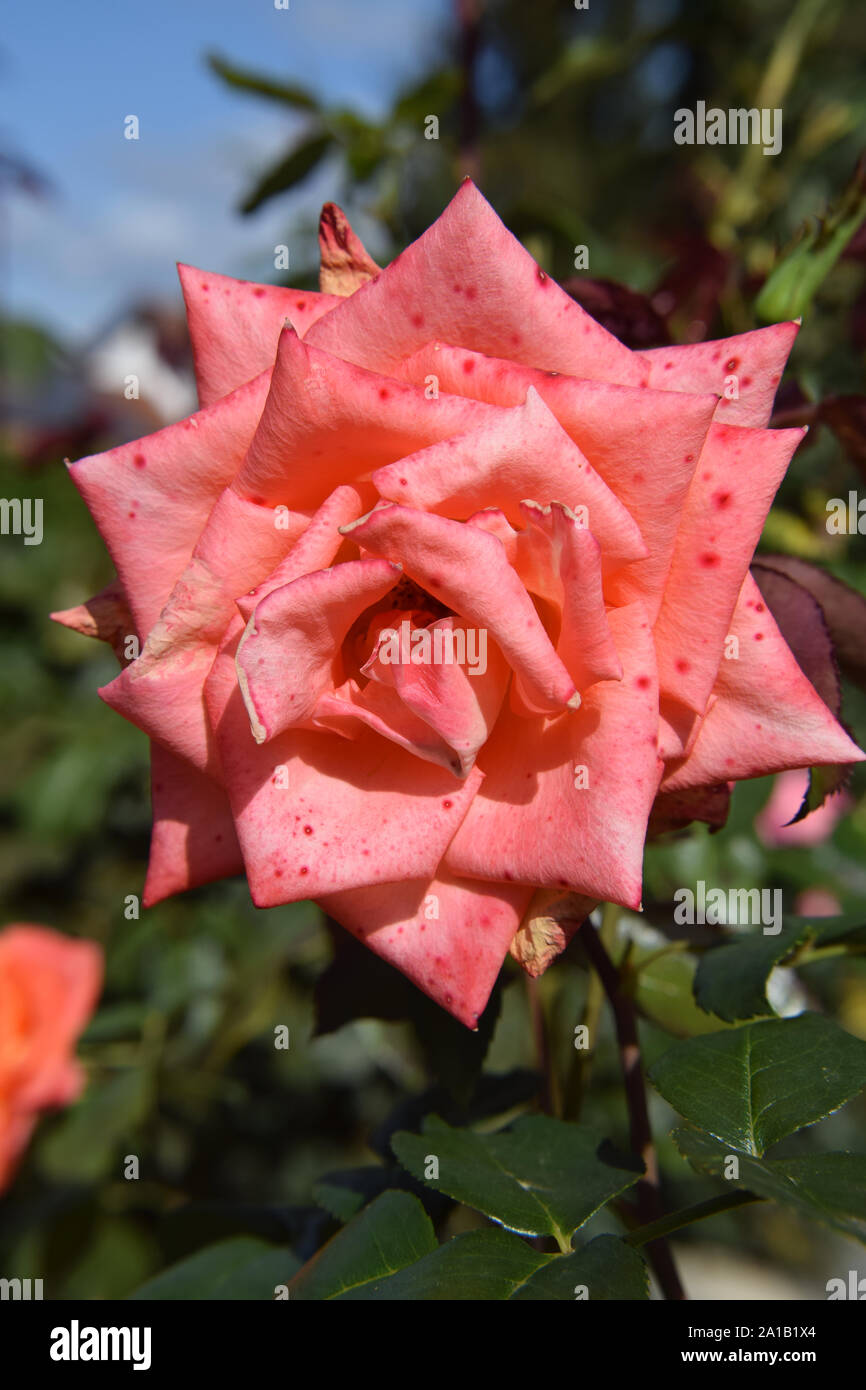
{"points": [[255, 1155]]}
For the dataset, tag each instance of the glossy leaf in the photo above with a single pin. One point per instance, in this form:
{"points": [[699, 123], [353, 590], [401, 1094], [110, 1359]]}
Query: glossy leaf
{"points": [[830, 1188], [606, 1269], [238, 1269], [389, 1234], [751, 1086], [540, 1177]]}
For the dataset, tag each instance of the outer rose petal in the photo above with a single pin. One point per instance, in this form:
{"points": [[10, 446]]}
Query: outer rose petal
{"points": [[757, 359], [235, 326], [467, 570], [468, 281], [193, 839], [767, 716], [345, 262], [455, 956], [287, 655], [532, 821], [736, 479], [151, 499], [106, 616], [549, 924], [350, 813], [161, 692]]}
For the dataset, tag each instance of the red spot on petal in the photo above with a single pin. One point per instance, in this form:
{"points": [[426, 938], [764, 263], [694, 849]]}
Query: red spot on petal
{"points": [[710, 561], [308, 830], [722, 500], [643, 682], [759, 636], [139, 460], [682, 665], [258, 291], [468, 366], [418, 320], [303, 870], [732, 364], [447, 805], [540, 275]]}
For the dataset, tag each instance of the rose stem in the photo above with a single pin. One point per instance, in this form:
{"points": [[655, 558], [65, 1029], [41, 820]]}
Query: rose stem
{"points": [[647, 1192]]}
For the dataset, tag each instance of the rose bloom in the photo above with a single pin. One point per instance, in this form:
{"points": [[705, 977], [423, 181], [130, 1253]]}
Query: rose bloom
{"points": [[450, 443], [49, 985]]}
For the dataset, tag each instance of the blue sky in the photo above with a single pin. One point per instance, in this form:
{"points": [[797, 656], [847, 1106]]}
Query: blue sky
{"points": [[122, 212]]}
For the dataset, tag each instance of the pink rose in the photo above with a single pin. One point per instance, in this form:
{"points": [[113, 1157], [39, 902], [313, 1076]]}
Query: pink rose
{"points": [[454, 445], [49, 985]]}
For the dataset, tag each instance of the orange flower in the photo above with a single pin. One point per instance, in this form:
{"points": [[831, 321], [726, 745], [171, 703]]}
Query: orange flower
{"points": [[49, 985]]}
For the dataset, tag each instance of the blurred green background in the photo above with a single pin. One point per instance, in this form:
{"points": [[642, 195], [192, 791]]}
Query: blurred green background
{"points": [[565, 118]]}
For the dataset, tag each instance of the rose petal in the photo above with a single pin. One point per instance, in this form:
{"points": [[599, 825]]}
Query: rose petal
{"points": [[151, 499], [756, 360], [235, 325], [585, 645], [345, 262], [455, 955], [520, 453], [193, 839], [291, 646], [735, 482], [533, 819], [468, 281], [349, 814], [767, 716], [467, 570]]}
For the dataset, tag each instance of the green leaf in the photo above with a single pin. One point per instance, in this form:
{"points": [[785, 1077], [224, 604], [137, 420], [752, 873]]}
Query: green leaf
{"points": [[392, 1232], [239, 1269], [493, 1265], [731, 979], [288, 93], [606, 1268], [753, 1085], [794, 281], [830, 1188], [481, 1265], [291, 170], [540, 1177]]}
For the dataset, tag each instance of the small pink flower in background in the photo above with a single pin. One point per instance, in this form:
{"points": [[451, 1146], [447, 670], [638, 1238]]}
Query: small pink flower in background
{"points": [[817, 902], [772, 821], [49, 985]]}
